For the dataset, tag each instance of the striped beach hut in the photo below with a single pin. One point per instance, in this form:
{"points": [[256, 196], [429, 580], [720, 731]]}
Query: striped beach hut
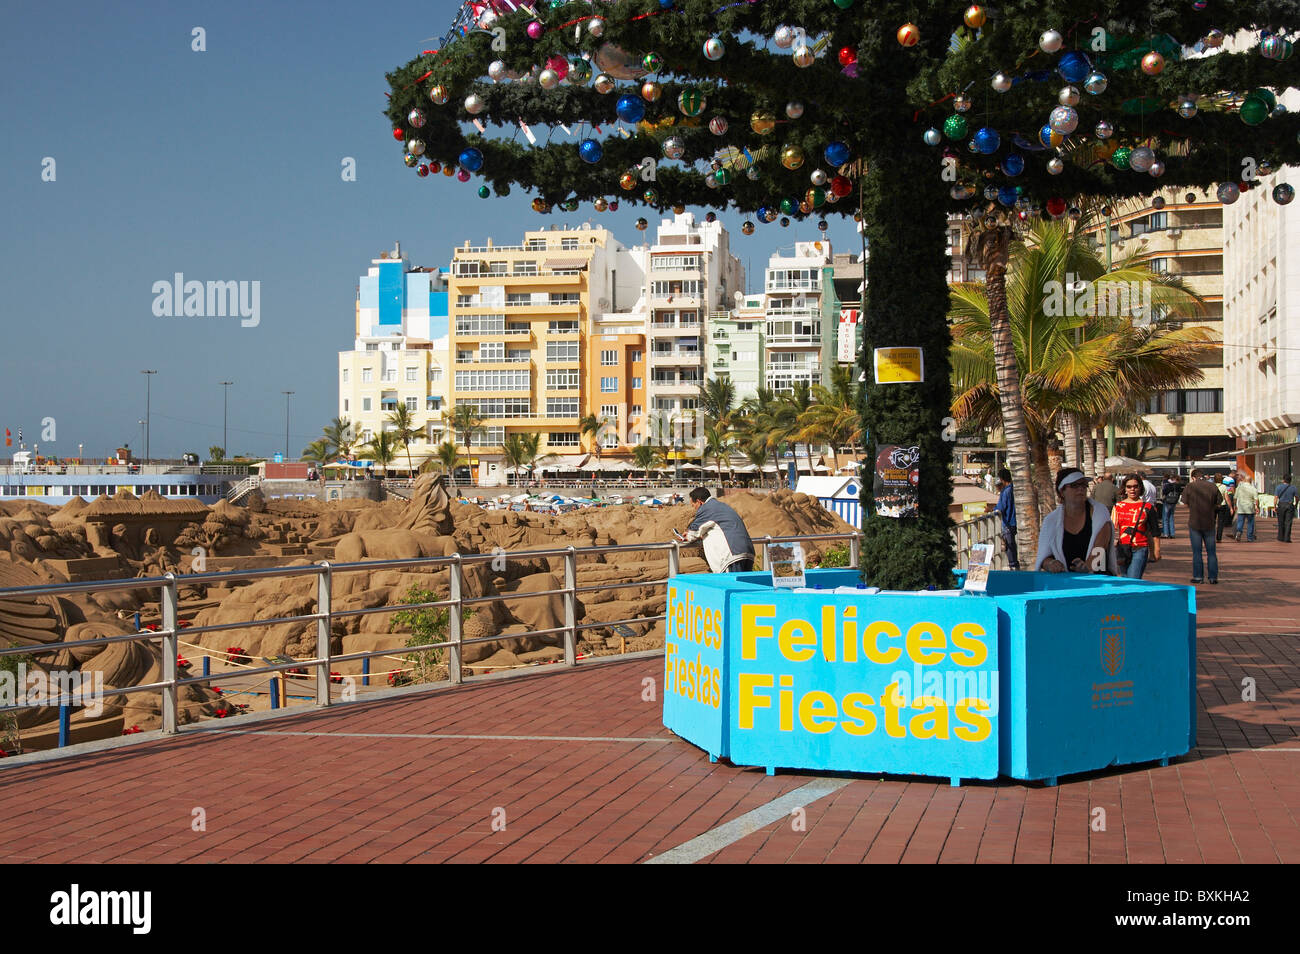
{"points": [[840, 495]]}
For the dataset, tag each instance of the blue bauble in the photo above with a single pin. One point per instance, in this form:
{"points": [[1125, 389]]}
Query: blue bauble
{"points": [[762, 214], [1074, 67], [471, 159], [630, 108], [1007, 196], [591, 151], [1050, 137], [987, 140], [1013, 164], [837, 153]]}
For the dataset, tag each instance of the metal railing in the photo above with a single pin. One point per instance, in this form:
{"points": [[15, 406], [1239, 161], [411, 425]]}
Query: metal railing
{"points": [[983, 529]]}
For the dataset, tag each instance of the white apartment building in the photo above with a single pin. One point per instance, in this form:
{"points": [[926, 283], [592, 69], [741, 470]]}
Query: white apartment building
{"points": [[798, 332]]}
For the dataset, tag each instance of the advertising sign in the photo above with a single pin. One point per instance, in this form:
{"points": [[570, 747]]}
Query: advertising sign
{"points": [[899, 366], [897, 480]]}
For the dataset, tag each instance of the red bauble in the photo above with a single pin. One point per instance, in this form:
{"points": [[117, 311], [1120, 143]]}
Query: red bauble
{"points": [[422, 171], [435, 167], [398, 135], [848, 56], [1055, 207], [841, 186]]}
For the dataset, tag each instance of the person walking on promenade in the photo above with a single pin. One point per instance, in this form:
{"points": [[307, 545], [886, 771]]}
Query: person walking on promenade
{"points": [[1247, 498], [1134, 519], [1286, 506], [1077, 535], [1170, 492], [1202, 501], [1006, 509], [1104, 491], [1227, 507]]}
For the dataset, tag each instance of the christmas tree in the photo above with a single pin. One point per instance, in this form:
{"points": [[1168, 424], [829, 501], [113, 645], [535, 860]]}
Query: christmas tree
{"points": [[898, 113]]}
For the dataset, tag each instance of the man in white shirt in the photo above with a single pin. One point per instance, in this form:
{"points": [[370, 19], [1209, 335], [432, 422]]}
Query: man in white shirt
{"points": [[1149, 491]]}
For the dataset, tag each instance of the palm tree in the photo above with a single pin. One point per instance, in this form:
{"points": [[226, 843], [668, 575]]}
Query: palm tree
{"points": [[381, 448], [216, 454], [340, 436], [515, 453], [789, 412], [317, 452], [835, 416], [592, 426], [532, 446], [446, 457], [466, 422], [646, 456], [401, 425], [717, 444], [718, 401], [1093, 367], [756, 453]]}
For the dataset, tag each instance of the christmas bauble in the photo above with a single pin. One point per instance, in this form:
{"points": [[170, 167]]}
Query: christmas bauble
{"points": [[836, 154], [961, 102], [718, 125], [651, 196], [723, 176], [1120, 157], [793, 109], [642, 225], [1063, 119], [1142, 159], [674, 147], [1187, 108], [462, 175], [579, 72], [783, 37], [961, 192], [1013, 165], [847, 56], [475, 104], [909, 34], [991, 193], [803, 56], [1008, 195], [534, 30], [1272, 47], [1158, 203], [559, 64], [933, 137], [435, 167], [1153, 64], [484, 192], [752, 174], [422, 171], [1103, 130], [630, 109], [600, 205], [604, 83], [1050, 41], [651, 91], [792, 157], [1190, 197], [713, 48], [613, 205], [1157, 169], [841, 186], [1283, 194], [955, 127], [1001, 82], [1253, 110], [1068, 96], [822, 226], [471, 159], [747, 228], [596, 26], [1050, 137], [539, 205], [548, 79], [788, 205], [1214, 39], [627, 182], [1055, 166], [652, 62], [497, 70], [816, 197], [1074, 67], [1055, 207], [449, 170], [986, 140], [762, 123], [591, 151], [1265, 168], [785, 223], [975, 17], [690, 102], [1096, 83], [678, 209], [438, 94], [415, 147], [415, 118], [1229, 192], [818, 177]]}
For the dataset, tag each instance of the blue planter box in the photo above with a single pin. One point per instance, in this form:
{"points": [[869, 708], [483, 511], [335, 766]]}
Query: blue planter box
{"points": [[1045, 675]]}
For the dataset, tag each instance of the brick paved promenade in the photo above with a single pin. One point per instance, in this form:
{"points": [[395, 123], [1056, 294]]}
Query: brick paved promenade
{"points": [[579, 769]]}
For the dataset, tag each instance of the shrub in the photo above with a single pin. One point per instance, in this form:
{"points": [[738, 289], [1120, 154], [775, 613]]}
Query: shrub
{"points": [[426, 626]]}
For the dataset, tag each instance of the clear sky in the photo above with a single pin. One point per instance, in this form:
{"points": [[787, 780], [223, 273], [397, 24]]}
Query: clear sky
{"points": [[223, 165]]}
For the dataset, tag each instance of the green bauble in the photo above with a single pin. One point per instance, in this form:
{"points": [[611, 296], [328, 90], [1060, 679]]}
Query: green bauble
{"points": [[955, 127], [651, 196], [844, 4], [484, 192], [1266, 95], [1254, 110], [691, 102], [816, 197], [1120, 157], [788, 206], [722, 176]]}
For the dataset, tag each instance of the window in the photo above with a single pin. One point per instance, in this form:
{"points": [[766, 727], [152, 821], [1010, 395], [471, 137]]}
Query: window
{"points": [[568, 243], [345, 405], [390, 374], [637, 412], [433, 404], [535, 245], [636, 384], [372, 346], [785, 279], [345, 375], [435, 374], [562, 439], [525, 268], [496, 268], [609, 440], [492, 351], [365, 404], [492, 380], [465, 268], [608, 359], [635, 355], [609, 385], [562, 327], [673, 288], [1159, 266], [561, 351], [489, 437], [464, 356], [411, 372], [412, 403], [669, 263], [367, 376], [565, 380], [501, 407], [739, 356], [561, 407], [564, 298]]}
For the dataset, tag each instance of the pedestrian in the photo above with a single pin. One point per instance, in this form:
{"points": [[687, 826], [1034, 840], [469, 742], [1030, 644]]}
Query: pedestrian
{"points": [[1247, 499], [1150, 494], [1104, 491], [1286, 506], [1006, 509], [727, 545], [1138, 542], [1225, 513], [1170, 492], [1202, 500], [1077, 535]]}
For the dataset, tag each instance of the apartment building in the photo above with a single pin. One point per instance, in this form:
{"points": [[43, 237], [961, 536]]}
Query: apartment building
{"points": [[520, 324], [735, 350], [848, 279], [802, 317], [616, 381], [690, 274], [400, 353]]}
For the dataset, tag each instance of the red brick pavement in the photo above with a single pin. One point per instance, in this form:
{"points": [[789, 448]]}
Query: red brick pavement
{"points": [[313, 788]]}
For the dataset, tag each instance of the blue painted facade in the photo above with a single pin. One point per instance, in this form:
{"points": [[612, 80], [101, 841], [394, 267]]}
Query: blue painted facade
{"points": [[392, 293]]}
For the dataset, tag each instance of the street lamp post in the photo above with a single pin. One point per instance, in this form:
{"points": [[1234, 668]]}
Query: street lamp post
{"points": [[225, 404], [142, 429], [148, 378], [286, 423]]}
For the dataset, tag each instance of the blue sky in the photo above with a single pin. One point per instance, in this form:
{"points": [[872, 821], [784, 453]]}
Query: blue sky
{"points": [[223, 165]]}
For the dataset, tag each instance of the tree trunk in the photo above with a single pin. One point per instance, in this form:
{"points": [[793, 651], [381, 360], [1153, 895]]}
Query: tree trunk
{"points": [[1089, 453], [1009, 395], [1070, 447], [1043, 478]]}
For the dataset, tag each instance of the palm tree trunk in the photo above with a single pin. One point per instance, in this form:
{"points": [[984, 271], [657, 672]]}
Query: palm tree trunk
{"points": [[1070, 437], [1043, 477], [1009, 395], [1089, 453]]}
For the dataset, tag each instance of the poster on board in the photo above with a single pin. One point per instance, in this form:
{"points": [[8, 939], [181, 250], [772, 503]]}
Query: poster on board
{"points": [[897, 480]]}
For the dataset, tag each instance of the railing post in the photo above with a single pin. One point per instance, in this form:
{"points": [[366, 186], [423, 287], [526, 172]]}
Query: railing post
{"points": [[275, 692], [855, 551], [767, 542], [454, 619], [675, 560], [365, 671], [570, 607], [170, 600], [65, 714], [324, 606]]}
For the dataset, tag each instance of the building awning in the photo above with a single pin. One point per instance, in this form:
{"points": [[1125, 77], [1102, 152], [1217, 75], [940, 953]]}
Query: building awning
{"points": [[565, 263], [1248, 451], [560, 464]]}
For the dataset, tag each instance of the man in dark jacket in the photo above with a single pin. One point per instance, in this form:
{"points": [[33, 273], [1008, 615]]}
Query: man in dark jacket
{"points": [[1286, 505], [1006, 509], [1202, 499], [1170, 492], [740, 558]]}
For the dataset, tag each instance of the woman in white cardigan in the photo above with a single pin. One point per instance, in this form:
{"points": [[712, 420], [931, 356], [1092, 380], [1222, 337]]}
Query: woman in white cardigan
{"points": [[1077, 536]]}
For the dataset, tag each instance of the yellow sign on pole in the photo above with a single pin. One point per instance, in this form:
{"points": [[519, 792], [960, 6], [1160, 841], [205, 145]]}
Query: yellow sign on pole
{"points": [[899, 366]]}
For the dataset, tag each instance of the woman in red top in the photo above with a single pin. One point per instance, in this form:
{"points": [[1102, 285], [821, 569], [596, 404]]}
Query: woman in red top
{"points": [[1130, 517]]}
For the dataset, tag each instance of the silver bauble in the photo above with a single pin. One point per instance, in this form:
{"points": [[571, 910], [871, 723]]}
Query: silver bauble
{"points": [[1001, 82], [1096, 83], [415, 147], [1055, 166], [961, 102], [933, 137], [1103, 130], [783, 37], [603, 83], [1157, 169], [1141, 159], [1050, 41], [819, 177], [497, 70], [475, 104], [1064, 120], [1229, 192], [793, 109], [548, 79], [1068, 96], [991, 193], [713, 48], [803, 56], [1279, 110], [711, 181], [718, 125], [1187, 108], [674, 147], [596, 26]]}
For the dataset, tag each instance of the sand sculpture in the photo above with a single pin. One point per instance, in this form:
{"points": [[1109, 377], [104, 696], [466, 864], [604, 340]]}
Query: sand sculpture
{"points": [[125, 537]]}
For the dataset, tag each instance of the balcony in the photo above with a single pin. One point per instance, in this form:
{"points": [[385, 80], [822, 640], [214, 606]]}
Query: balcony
{"points": [[676, 356]]}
